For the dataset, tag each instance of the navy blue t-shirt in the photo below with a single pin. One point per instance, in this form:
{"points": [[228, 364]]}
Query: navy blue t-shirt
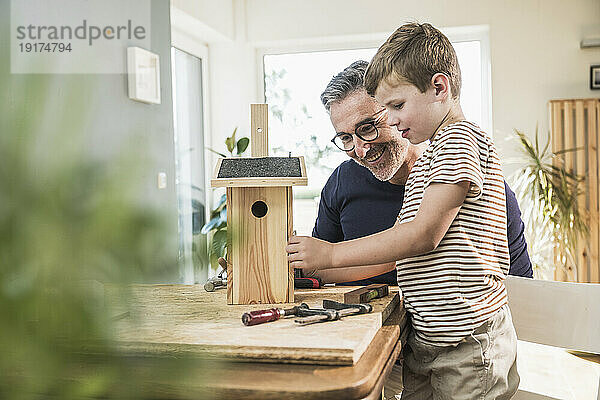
{"points": [[355, 204]]}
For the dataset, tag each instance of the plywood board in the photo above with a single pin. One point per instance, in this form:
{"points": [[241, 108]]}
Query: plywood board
{"points": [[258, 182], [257, 246], [198, 378], [185, 319]]}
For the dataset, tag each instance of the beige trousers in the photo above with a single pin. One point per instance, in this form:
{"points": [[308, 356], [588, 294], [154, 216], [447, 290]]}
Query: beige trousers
{"points": [[481, 366]]}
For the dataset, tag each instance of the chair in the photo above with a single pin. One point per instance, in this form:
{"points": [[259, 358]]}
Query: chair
{"points": [[565, 316]]}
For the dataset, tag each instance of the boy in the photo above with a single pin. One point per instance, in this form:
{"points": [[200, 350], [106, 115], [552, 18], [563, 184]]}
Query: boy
{"points": [[450, 239]]}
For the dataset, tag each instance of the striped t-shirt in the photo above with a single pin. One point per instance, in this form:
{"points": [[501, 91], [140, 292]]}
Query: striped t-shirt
{"points": [[456, 287]]}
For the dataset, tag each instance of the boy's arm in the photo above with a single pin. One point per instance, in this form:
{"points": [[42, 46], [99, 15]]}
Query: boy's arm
{"points": [[440, 205]]}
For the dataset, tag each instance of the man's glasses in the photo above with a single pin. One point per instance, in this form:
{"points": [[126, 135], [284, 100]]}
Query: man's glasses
{"points": [[367, 132]]}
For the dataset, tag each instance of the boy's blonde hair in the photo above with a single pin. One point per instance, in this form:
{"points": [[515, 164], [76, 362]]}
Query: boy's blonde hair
{"points": [[414, 53]]}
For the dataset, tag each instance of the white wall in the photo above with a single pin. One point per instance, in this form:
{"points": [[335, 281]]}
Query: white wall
{"points": [[535, 54], [215, 15]]}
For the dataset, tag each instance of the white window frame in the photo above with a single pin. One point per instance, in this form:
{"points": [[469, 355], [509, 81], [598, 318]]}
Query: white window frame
{"points": [[481, 34], [455, 34]]}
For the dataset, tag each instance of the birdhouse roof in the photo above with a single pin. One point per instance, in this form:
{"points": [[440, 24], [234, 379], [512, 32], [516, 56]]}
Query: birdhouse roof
{"points": [[259, 171]]}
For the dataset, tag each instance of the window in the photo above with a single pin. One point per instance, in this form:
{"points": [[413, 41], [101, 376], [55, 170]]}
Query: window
{"points": [[298, 122]]}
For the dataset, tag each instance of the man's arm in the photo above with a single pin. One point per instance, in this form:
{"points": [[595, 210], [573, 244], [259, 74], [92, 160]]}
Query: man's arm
{"points": [[328, 227]]}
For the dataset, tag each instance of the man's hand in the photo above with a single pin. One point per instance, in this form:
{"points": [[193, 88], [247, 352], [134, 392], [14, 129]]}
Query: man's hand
{"points": [[309, 253]]}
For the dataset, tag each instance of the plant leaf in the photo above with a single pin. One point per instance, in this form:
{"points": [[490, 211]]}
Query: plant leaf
{"points": [[216, 152], [219, 243], [221, 204], [230, 141], [242, 145], [210, 225], [573, 149]]}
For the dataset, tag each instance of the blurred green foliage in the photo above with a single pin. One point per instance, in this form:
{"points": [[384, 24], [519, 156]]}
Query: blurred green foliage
{"points": [[68, 224], [217, 228]]}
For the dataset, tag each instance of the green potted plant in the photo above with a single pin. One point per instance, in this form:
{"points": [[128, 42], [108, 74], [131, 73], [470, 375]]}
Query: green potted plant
{"points": [[547, 193], [216, 227]]}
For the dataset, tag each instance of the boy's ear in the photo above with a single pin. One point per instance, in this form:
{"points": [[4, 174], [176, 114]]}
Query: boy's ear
{"points": [[441, 84]]}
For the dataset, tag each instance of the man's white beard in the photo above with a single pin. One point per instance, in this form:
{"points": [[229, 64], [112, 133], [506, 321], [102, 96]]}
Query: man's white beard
{"points": [[396, 155]]}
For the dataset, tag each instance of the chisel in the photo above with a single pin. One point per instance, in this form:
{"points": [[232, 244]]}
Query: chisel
{"points": [[333, 310]]}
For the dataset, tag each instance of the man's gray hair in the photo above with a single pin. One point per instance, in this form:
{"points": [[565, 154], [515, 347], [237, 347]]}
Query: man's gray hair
{"points": [[344, 83]]}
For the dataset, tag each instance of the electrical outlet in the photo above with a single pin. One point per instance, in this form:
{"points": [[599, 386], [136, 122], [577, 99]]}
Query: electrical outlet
{"points": [[162, 180]]}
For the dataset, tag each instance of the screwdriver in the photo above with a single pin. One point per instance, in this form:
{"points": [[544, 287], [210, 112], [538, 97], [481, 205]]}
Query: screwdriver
{"points": [[271, 314]]}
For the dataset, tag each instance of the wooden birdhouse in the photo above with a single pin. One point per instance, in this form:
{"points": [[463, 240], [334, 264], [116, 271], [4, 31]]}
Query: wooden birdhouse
{"points": [[259, 218]]}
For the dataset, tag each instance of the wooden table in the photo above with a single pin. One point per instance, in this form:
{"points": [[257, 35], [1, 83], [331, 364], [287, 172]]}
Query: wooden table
{"points": [[275, 379]]}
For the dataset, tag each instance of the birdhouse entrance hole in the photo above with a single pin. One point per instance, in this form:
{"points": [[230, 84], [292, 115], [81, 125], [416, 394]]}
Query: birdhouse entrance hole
{"points": [[259, 209]]}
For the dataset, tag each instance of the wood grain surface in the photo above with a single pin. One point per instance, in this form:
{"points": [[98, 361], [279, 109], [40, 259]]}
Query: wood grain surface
{"points": [[259, 181], [198, 378], [290, 231], [229, 193], [256, 246], [186, 320], [259, 133]]}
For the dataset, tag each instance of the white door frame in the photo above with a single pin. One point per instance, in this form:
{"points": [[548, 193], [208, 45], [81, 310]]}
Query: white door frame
{"points": [[184, 40]]}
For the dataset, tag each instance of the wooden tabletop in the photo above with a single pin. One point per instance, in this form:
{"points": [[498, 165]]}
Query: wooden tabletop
{"points": [[226, 379], [185, 319]]}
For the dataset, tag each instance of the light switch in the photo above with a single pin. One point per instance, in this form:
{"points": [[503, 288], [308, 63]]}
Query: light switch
{"points": [[162, 180]]}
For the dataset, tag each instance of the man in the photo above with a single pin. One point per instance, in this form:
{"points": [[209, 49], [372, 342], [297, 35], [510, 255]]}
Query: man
{"points": [[364, 195]]}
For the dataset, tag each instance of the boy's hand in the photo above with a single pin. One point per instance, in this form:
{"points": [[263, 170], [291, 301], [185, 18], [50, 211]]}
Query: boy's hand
{"points": [[309, 253]]}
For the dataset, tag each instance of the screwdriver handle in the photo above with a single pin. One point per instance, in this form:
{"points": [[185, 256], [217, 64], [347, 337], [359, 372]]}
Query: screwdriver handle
{"points": [[262, 316], [271, 314], [307, 283]]}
